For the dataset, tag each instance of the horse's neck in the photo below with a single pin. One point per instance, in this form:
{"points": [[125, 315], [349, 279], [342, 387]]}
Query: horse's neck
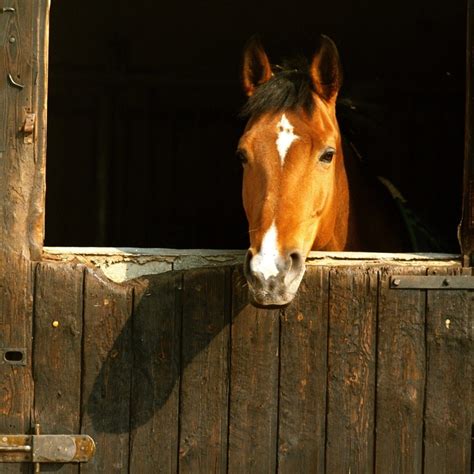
{"points": [[362, 215], [374, 223]]}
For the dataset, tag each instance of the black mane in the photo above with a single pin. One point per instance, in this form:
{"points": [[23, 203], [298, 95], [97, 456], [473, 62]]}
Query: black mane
{"points": [[288, 89]]}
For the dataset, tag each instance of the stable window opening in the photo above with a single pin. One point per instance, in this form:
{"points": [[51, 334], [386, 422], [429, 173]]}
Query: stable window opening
{"points": [[144, 101]]}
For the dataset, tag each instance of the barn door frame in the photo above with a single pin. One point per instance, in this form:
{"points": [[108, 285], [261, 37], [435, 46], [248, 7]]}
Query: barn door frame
{"points": [[23, 93]]}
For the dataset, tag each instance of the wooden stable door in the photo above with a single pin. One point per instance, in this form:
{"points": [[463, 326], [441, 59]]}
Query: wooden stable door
{"points": [[176, 372]]}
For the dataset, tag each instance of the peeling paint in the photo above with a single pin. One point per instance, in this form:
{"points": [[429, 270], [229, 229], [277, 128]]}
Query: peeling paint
{"points": [[123, 264]]}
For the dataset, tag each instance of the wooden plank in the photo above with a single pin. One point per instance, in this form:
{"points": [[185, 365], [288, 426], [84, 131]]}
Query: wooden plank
{"points": [[106, 380], [400, 376], [205, 373], [302, 414], [16, 382], [36, 214], [156, 370], [58, 349], [447, 435], [351, 370], [253, 384], [4, 21]]}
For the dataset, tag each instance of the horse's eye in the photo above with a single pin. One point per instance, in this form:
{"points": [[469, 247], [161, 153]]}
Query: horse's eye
{"points": [[242, 156], [328, 155]]}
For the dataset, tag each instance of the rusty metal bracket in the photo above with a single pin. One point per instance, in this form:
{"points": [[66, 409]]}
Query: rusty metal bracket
{"points": [[432, 282], [28, 127]]}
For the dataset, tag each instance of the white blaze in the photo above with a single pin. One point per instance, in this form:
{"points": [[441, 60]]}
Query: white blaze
{"points": [[265, 262], [285, 137]]}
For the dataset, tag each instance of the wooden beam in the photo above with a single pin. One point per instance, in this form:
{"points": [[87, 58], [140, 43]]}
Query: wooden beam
{"points": [[40, 100], [23, 58], [447, 418], [23, 49]]}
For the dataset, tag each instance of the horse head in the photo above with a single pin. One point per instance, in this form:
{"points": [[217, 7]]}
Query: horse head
{"points": [[295, 191]]}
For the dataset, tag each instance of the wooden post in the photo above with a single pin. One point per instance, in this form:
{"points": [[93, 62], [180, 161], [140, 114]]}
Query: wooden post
{"points": [[467, 223], [23, 73], [23, 93]]}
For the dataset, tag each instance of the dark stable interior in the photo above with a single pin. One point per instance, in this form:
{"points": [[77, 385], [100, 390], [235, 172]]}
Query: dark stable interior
{"points": [[144, 99]]}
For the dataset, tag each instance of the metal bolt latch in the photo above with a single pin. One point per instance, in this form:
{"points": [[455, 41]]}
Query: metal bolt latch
{"points": [[41, 448], [14, 448]]}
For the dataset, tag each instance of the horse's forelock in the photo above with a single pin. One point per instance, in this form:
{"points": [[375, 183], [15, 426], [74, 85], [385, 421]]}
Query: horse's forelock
{"points": [[288, 89]]}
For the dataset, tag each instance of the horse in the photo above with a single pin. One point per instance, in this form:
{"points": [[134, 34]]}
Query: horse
{"points": [[303, 187]]}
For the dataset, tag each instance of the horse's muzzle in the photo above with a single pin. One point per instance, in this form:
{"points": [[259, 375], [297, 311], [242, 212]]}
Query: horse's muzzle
{"points": [[273, 283]]}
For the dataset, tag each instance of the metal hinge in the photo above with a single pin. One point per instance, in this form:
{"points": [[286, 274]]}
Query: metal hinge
{"points": [[41, 448], [432, 282], [28, 127]]}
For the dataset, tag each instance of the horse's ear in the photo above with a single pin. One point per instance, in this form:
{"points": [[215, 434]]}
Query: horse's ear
{"points": [[256, 67], [326, 70]]}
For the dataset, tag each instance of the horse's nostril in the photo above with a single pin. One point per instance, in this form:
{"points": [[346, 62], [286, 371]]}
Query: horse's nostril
{"points": [[296, 260], [247, 269]]}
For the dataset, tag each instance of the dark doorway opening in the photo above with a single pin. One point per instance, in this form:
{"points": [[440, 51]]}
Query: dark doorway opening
{"points": [[144, 101]]}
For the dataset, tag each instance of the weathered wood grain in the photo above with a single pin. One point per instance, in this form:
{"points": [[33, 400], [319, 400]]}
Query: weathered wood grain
{"points": [[400, 376], [351, 370], [57, 348], [20, 57], [156, 370], [302, 409], [23, 54], [36, 214], [279, 389], [106, 379], [205, 373], [17, 167], [4, 21], [447, 434], [16, 384], [253, 385]]}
